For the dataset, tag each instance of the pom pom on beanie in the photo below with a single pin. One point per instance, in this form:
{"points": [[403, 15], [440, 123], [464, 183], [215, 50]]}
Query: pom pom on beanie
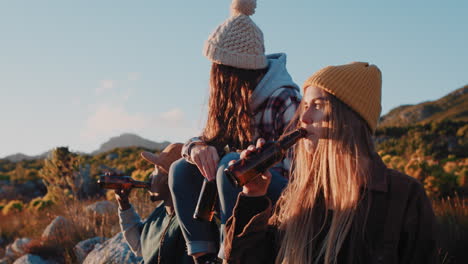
{"points": [[246, 7]]}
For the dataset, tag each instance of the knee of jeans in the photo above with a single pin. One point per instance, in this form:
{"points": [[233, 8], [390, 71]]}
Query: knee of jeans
{"points": [[227, 158], [177, 174], [220, 176]]}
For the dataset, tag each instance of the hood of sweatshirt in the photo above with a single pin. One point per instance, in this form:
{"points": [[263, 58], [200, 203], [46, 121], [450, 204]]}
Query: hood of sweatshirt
{"points": [[276, 77]]}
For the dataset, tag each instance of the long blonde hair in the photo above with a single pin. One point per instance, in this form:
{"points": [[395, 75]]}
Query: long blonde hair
{"points": [[329, 178]]}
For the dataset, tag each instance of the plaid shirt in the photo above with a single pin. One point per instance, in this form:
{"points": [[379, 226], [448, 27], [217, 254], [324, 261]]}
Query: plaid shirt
{"points": [[270, 120]]}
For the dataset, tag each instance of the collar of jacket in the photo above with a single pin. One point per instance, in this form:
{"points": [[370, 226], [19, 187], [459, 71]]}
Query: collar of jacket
{"points": [[379, 179]]}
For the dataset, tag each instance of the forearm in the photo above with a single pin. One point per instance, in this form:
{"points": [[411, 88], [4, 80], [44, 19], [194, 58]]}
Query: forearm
{"points": [[247, 231], [130, 224]]}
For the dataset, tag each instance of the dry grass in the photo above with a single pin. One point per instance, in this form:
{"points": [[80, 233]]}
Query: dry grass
{"points": [[452, 215], [30, 223]]}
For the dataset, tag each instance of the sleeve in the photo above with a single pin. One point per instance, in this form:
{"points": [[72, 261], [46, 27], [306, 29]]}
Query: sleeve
{"points": [[418, 237], [248, 235], [130, 224], [188, 146]]}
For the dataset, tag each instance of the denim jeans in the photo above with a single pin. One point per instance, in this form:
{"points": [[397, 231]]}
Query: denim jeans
{"points": [[185, 181]]}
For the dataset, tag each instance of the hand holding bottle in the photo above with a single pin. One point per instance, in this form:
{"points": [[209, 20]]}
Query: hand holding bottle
{"points": [[121, 195], [259, 185]]}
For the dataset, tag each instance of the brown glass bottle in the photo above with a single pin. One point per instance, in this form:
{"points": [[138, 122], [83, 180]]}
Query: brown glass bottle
{"points": [[244, 170], [204, 210], [121, 182]]}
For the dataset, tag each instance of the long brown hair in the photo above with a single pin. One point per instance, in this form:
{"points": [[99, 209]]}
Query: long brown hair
{"points": [[329, 178], [229, 114]]}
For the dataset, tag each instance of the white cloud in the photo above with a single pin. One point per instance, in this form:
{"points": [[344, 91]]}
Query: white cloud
{"points": [[106, 85], [175, 115], [108, 121], [134, 76]]}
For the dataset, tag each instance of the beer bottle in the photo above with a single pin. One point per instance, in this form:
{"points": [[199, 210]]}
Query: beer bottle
{"points": [[121, 182], [244, 170], [204, 210]]}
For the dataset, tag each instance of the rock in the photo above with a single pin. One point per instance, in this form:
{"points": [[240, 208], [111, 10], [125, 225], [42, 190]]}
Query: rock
{"points": [[32, 259], [84, 247], [114, 250], [9, 253], [19, 244], [15, 249], [58, 228], [102, 208]]}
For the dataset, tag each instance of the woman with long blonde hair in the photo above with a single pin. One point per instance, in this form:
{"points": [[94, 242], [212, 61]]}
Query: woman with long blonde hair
{"points": [[342, 204]]}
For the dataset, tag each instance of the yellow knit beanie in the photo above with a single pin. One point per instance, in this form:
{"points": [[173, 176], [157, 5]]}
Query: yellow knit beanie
{"points": [[358, 84]]}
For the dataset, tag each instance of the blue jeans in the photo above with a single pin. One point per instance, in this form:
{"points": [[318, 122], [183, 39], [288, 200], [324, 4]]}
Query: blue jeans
{"points": [[185, 181]]}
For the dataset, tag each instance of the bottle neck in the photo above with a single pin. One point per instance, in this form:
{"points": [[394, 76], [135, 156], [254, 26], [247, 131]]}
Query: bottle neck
{"points": [[286, 141], [141, 184]]}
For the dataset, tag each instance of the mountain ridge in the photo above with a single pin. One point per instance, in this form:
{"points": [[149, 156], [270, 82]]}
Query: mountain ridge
{"points": [[129, 140], [123, 140], [453, 106]]}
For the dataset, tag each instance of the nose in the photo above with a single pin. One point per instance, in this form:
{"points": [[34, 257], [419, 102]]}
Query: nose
{"points": [[306, 117]]}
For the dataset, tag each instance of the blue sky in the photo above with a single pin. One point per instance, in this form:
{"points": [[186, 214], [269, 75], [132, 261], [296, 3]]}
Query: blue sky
{"points": [[75, 73]]}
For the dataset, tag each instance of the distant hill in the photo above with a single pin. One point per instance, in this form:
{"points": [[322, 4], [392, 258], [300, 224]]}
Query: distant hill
{"points": [[130, 140], [453, 106], [20, 156], [124, 140]]}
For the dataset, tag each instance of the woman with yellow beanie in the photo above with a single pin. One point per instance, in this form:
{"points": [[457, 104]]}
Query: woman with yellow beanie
{"points": [[342, 204], [251, 95]]}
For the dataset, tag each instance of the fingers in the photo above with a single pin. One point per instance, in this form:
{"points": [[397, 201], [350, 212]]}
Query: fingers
{"points": [[206, 158], [122, 193], [260, 142], [213, 163], [246, 152], [266, 176], [250, 149]]}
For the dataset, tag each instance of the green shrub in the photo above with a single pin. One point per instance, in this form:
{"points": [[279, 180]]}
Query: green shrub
{"points": [[13, 206], [61, 175], [39, 204]]}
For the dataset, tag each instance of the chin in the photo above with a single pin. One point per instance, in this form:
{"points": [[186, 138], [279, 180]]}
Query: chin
{"points": [[310, 145]]}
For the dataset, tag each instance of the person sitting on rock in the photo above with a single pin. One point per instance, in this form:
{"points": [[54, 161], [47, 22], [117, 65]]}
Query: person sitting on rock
{"points": [[159, 238]]}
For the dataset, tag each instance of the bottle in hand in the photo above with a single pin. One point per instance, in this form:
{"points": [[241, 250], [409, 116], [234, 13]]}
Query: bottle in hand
{"points": [[245, 170], [205, 208], [121, 182]]}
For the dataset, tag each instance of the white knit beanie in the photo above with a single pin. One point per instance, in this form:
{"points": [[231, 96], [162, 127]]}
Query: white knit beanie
{"points": [[238, 42]]}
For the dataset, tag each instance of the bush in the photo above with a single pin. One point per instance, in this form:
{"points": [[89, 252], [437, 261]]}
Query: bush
{"points": [[14, 206], [39, 204], [61, 174]]}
